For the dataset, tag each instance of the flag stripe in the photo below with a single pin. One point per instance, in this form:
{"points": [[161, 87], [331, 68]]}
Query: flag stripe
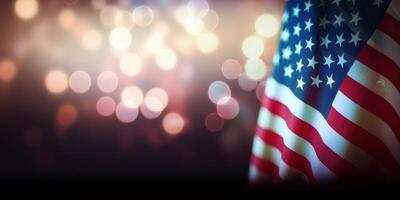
{"points": [[268, 121], [375, 60], [386, 45], [368, 100], [369, 79], [363, 139], [266, 167], [390, 25], [268, 153], [289, 156], [394, 9], [313, 119]]}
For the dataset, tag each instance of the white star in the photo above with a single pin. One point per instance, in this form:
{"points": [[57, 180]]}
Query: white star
{"points": [[286, 53], [299, 65], [296, 11], [330, 80], [341, 61], [285, 35], [325, 41], [297, 30], [288, 71], [285, 17], [315, 80], [378, 3], [309, 44], [312, 62], [308, 25], [338, 19], [298, 48], [308, 5], [328, 61], [300, 83], [355, 18], [323, 22], [336, 2], [355, 38], [339, 39]]}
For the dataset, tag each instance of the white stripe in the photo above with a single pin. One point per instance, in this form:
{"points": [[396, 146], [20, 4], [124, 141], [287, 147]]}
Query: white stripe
{"points": [[310, 115], [394, 9], [272, 154], [367, 121], [376, 83], [386, 45], [268, 121]]}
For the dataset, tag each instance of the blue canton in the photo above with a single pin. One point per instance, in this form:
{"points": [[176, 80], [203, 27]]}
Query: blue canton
{"points": [[319, 42]]}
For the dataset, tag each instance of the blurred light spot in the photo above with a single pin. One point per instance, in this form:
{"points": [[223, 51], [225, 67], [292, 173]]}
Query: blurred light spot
{"points": [[155, 42], [130, 64], [207, 42], [218, 90], [105, 106], [267, 25], [79, 82], [246, 83], [8, 70], [132, 96], [255, 69], [231, 69], [182, 14], [26, 9], [143, 15], [107, 81], [253, 47], [126, 114], [107, 15], [260, 90], [173, 123], [156, 99], [211, 20], [91, 40], [214, 122], [98, 4], [194, 25], [228, 108], [166, 59], [66, 115], [147, 113], [67, 18], [198, 8], [56, 81], [124, 19], [120, 38]]}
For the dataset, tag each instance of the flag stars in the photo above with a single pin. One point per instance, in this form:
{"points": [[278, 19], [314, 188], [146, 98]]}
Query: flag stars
{"points": [[339, 39], [286, 53], [341, 61], [325, 41], [298, 48], [296, 11], [285, 35], [299, 65], [312, 62], [336, 2], [323, 22], [355, 38], [308, 25], [377, 3], [285, 17], [330, 80], [296, 30], [316, 81], [309, 43], [288, 71], [338, 19], [355, 18], [307, 6], [328, 60], [300, 83]]}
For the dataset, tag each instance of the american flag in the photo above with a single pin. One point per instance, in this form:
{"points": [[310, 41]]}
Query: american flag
{"points": [[332, 105]]}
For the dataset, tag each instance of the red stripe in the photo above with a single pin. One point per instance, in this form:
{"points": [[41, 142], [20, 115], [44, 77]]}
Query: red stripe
{"points": [[290, 157], [390, 26], [334, 162], [372, 103], [380, 63], [266, 167], [363, 139]]}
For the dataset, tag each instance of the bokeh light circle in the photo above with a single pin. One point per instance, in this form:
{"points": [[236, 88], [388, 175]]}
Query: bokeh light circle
{"points": [[218, 90], [120, 38], [166, 59], [67, 115], [255, 69], [80, 82], [105, 106], [8, 70], [246, 83], [198, 8], [26, 9], [132, 96], [228, 108], [214, 122], [194, 25], [56, 81], [107, 81], [267, 25], [231, 69], [147, 113], [124, 19], [207, 42], [173, 123], [253, 47], [156, 99], [130, 64], [126, 114], [67, 18], [211, 20], [143, 15]]}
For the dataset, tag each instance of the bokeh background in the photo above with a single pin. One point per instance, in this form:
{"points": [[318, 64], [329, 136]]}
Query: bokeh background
{"points": [[132, 89]]}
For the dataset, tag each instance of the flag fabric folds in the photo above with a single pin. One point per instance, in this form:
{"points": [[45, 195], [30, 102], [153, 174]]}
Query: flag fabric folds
{"points": [[331, 109]]}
